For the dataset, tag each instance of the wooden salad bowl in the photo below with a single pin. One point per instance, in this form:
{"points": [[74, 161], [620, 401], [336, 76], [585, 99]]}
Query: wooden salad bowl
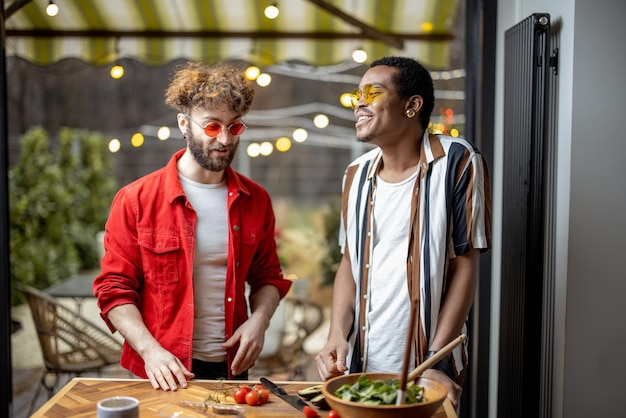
{"points": [[434, 392]]}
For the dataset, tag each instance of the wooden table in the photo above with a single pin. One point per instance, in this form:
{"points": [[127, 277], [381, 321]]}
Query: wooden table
{"points": [[80, 396]]}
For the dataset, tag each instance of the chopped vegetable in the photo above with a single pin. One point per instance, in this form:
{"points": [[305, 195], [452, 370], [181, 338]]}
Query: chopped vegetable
{"points": [[320, 401], [310, 392], [379, 392]]}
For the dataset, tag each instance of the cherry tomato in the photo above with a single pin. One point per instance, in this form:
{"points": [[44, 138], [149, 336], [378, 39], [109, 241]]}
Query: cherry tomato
{"points": [[245, 387], [264, 395], [310, 412], [240, 395], [253, 398], [333, 414]]}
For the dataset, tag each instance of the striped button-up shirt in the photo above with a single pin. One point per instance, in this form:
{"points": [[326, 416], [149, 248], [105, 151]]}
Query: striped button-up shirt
{"points": [[450, 214]]}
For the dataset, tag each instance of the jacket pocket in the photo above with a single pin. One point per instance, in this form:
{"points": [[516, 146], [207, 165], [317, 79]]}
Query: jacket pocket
{"points": [[159, 254], [252, 233]]}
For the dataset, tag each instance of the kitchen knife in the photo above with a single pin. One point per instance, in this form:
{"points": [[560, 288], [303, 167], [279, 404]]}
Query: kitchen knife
{"points": [[292, 400]]}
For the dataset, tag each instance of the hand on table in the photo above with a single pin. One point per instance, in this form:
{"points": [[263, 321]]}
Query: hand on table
{"points": [[165, 370]]}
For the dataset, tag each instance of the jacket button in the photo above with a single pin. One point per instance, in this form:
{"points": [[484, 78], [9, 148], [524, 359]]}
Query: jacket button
{"points": [[229, 299], [236, 228]]}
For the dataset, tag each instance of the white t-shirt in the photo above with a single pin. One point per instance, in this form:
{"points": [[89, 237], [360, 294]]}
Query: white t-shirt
{"points": [[209, 267], [388, 306]]}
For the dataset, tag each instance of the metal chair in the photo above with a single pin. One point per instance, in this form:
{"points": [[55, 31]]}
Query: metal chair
{"points": [[70, 343]]}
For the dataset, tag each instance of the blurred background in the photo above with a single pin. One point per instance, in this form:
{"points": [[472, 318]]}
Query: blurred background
{"points": [[101, 69]]}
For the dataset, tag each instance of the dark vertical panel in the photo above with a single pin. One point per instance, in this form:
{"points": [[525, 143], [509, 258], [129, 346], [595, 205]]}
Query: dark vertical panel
{"points": [[549, 286], [6, 392], [525, 95], [480, 41]]}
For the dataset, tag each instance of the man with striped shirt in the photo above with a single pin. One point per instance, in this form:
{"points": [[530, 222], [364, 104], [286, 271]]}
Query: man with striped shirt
{"points": [[416, 213]]}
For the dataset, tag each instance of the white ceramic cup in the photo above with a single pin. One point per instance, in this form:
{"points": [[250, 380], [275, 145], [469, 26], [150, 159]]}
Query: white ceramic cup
{"points": [[118, 407]]}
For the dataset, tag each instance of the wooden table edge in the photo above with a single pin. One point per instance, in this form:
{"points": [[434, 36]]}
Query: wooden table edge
{"points": [[447, 406]]}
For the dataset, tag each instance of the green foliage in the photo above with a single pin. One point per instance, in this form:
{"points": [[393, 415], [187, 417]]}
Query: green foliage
{"points": [[59, 197], [330, 262]]}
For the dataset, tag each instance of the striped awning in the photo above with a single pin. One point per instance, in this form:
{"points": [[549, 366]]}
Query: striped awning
{"points": [[156, 32]]}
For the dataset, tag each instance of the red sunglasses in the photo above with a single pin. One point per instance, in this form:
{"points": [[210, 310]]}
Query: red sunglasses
{"points": [[213, 129]]}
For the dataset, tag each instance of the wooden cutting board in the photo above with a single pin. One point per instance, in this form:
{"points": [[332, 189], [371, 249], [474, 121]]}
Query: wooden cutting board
{"points": [[81, 395]]}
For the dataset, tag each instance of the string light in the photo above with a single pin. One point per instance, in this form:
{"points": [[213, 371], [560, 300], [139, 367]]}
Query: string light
{"points": [[117, 72], [52, 9], [137, 140], [264, 79], [321, 121], [266, 148], [359, 55], [346, 100], [114, 145], [300, 135], [163, 133], [254, 150], [252, 72], [283, 144], [271, 11]]}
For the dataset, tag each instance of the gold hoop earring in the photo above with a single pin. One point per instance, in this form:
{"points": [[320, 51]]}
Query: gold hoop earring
{"points": [[410, 113]]}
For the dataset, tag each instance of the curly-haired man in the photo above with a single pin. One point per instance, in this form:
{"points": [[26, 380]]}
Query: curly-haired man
{"points": [[182, 242]]}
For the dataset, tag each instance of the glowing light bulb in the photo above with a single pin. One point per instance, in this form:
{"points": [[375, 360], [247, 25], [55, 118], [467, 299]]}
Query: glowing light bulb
{"points": [[254, 150], [283, 144], [271, 12], [137, 140], [359, 56], [266, 148], [114, 145], [264, 79], [163, 133], [346, 99], [252, 72], [300, 135], [321, 121], [117, 72], [52, 9]]}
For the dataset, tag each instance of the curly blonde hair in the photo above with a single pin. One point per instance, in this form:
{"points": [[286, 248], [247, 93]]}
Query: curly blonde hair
{"points": [[208, 86]]}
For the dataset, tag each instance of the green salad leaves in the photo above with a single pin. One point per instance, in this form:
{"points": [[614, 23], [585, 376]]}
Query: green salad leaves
{"points": [[379, 392]]}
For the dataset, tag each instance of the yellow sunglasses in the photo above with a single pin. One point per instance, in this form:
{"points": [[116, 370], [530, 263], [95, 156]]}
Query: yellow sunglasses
{"points": [[369, 93]]}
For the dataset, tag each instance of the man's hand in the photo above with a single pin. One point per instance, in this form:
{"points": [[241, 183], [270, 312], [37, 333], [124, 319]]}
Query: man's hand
{"points": [[331, 361], [454, 390], [165, 371], [250, 336]]}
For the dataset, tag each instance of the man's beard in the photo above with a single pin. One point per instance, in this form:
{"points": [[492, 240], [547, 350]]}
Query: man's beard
{"points": [[364, 140], [202, 154]]}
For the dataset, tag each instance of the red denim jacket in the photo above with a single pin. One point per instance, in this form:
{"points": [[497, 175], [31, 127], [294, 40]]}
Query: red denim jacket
{"points": [[149, 242]]}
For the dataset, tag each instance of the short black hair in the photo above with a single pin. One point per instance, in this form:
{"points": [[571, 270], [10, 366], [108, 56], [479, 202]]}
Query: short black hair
{"points": [[412, 79]]}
